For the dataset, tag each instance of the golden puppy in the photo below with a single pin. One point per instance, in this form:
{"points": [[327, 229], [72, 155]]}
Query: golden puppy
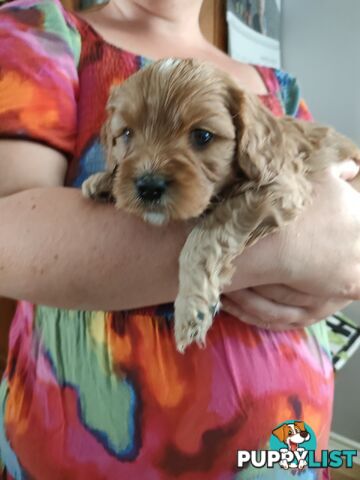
{"points": [[183, 141]]}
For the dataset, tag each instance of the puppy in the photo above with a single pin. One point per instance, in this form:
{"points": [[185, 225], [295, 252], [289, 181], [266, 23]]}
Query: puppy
{"points": [[293, 435], [183, 141]]}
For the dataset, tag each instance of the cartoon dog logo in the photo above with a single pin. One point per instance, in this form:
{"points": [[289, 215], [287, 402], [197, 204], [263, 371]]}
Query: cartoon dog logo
{"points": [[292, 435]]}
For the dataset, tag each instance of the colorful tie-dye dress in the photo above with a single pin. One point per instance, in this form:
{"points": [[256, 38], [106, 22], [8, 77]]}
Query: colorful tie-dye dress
{"points": [[94, 395]]}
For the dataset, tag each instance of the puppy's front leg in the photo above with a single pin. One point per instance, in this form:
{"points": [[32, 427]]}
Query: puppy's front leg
{"points": [[206, 261], [99, 187], [206, 266], [199, 286]]}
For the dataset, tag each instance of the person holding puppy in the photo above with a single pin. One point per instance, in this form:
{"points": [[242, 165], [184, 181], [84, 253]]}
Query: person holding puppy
{"points": [[94, 386]]}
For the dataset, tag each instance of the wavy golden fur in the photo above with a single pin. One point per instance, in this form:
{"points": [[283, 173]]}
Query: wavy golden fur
{"points": [[183, 141]]}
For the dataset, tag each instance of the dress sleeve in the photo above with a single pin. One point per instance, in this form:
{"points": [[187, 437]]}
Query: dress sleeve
{"points": [[294, 105], [39, 53]]}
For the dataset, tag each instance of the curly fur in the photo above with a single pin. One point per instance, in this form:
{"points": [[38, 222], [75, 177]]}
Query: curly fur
{"points": [[251, 179]]}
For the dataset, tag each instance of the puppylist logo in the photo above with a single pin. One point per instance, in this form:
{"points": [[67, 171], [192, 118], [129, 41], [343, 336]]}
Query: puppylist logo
{"points": [[292, 447]]}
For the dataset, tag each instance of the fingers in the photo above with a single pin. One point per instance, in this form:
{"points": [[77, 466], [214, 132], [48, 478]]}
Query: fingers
{"points": [[288, 296], [257, 310], [253, 308]]}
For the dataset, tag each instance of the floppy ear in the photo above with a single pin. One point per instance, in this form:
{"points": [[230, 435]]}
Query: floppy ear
{"points": [[263, 145], [280, 432], [107, 137], [107, 140], [300, 425]]}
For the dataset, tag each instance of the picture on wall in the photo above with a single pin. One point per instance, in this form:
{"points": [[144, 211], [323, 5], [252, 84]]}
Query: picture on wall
{"points": [[254, 31]]}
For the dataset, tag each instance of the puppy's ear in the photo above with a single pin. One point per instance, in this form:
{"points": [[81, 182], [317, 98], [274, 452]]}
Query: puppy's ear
{"points": [[107, 140], [300, 425], [261, 143], [280, 432], [107, 137]]}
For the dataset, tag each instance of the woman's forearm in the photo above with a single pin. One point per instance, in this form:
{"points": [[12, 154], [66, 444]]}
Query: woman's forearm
{"points": [[56, 248]]}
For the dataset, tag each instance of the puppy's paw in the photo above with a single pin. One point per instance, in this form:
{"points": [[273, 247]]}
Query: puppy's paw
{"points": [[193, 318], [89, 188], [98, 187]]}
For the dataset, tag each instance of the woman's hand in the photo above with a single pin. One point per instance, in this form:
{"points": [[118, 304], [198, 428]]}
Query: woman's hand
{"points": [[317, 269], [278, 307]]}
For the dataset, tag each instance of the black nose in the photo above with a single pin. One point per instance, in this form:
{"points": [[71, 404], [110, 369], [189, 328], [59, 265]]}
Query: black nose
{"points": [[150, 188], [304, 434]]}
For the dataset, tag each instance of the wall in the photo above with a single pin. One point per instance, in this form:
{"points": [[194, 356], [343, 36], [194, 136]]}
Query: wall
{"points": [[321, 41]]}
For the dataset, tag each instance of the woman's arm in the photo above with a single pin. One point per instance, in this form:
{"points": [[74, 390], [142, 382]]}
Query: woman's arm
{"points": [[60, 249]]}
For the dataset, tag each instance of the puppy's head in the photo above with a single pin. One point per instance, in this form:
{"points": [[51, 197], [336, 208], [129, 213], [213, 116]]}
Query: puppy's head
{"points": [[292, 434], [178, 132]]}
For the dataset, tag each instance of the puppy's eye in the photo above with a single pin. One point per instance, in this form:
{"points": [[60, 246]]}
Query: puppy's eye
{"points": [[199, 137], [127, 134]]}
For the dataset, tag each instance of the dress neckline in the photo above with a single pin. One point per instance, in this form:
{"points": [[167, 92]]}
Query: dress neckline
{"points": [[267, 74]]}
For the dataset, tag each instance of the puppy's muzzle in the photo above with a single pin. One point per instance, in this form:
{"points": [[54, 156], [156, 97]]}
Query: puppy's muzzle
{"points": [[150, 188]]}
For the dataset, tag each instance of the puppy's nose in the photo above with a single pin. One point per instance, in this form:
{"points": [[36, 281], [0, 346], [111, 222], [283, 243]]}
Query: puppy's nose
{"points": [[150, 188], [304, 434]]}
